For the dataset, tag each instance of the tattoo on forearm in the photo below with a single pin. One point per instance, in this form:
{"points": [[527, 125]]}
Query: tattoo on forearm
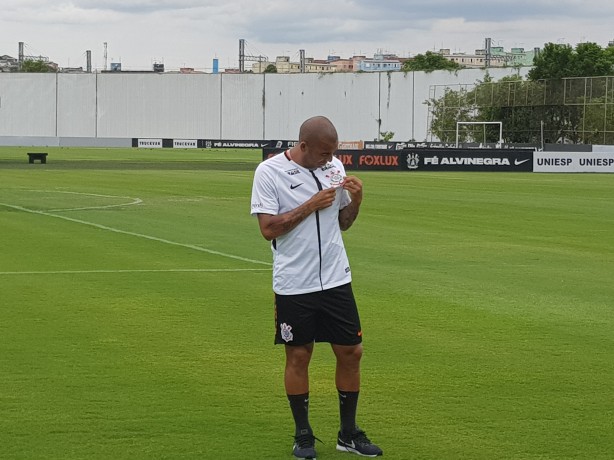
{"points": [[347, 216]]}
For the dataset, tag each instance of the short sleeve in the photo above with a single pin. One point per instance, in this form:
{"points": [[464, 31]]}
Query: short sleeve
{"points": [[345, 195], [265, 199]]}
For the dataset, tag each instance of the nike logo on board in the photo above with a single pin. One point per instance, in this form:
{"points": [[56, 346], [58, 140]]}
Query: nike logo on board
{"points": [[519, 162]]}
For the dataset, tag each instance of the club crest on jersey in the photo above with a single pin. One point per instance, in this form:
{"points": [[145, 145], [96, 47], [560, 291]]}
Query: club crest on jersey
{"points": [[286, 332], [335, 177]]}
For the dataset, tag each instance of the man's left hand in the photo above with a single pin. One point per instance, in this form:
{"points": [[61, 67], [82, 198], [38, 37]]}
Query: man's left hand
{"points": [[353, 185]]}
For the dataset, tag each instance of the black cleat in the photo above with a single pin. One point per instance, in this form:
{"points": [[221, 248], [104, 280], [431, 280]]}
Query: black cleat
{"points": [[358, 443], [304, 446]]}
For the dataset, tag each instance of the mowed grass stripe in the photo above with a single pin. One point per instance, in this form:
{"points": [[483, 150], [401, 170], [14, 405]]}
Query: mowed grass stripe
{"points": [[172, 270], [485, 300], [138, 235]]}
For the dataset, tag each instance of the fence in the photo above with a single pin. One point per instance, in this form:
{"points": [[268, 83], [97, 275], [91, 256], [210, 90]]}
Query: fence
{"points": [[570, 110]]}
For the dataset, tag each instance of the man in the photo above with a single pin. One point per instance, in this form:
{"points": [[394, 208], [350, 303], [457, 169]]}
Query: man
{"points": [[303, 200]]}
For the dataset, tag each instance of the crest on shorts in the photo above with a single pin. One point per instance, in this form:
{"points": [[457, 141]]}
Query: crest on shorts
{"points": [[286, 332]]}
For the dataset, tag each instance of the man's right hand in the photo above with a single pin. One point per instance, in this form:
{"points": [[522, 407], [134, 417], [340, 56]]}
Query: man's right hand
{"points": [[273, 226], [323, 199]]}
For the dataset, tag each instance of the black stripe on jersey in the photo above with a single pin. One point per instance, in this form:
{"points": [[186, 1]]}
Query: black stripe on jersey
{"points": [[318, 228]]}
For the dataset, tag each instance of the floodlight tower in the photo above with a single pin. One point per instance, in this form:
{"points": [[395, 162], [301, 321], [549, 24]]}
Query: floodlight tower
{"points": [[243, 57], [105, 56], [20, 55], [487, 49]]}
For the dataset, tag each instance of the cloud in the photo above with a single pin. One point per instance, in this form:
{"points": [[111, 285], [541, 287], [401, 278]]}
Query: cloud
{"points": [[191, 32], [139, 6]]}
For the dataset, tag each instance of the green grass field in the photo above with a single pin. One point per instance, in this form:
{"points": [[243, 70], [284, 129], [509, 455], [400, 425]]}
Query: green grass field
{"points": [[136, 315]]}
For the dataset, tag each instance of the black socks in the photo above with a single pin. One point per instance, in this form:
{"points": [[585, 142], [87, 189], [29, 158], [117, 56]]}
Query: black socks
{"points": [[348, 401], [299, 404]]}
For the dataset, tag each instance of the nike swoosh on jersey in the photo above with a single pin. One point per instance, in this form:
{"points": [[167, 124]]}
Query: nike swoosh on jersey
{"points": [[292, 187]]}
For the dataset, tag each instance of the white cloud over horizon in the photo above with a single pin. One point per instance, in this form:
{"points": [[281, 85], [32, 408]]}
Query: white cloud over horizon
{"points": [[191, 32]]}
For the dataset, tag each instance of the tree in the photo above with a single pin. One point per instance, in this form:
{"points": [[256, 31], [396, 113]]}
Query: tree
{"points": [[566, 99], [522, 107], [30, 65], [453, 106], [554, 61], [387, 135], [271, 68], [429, 62], [590, 60], [598, 123], [517, 104], [558, 61]]}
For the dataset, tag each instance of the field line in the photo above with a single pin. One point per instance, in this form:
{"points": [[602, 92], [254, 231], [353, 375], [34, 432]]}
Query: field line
{"points": [[138, 235], [169, 270], [88, 208]]}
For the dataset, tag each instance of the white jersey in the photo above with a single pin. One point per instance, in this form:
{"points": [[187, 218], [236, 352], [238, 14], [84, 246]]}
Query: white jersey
{"points": [[311, 257]]}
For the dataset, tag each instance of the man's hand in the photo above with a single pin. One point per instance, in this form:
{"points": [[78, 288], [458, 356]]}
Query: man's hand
{"points": [[348, 215], [323, 199], [354, 186], [272, 227]]}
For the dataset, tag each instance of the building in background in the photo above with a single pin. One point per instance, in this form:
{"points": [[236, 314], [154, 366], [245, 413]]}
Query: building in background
{"points": [[380, 63], [516, 57], [494, 56], [283, 64], [346, 65], [8, 63]]}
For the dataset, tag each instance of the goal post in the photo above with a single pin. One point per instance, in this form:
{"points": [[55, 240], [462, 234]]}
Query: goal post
{"points": [[458, 123]]}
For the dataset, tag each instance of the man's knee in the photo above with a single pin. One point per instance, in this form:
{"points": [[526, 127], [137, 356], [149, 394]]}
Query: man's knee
{"points": [[298, 356], [348, 354]]}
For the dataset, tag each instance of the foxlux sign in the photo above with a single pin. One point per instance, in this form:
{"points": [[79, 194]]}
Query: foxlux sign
{"points": [[359, 159]]}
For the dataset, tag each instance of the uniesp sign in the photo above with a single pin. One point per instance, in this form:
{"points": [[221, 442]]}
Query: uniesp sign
{"points": [[574, 162]]}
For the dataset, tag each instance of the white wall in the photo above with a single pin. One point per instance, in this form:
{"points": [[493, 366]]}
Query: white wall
{"points": [[221, 106], [350, 100], [241, 107], [76, 111], [397, 105], [27, 104], [158, 105]]}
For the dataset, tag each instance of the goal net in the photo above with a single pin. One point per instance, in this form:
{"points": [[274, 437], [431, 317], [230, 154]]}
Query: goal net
{"points": [[484, 124]]}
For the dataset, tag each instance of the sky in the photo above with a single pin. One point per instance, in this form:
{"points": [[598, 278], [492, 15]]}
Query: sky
{"points": [[192, 33]]}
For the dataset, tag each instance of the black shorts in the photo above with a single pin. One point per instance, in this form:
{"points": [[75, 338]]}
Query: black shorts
{"points": [[322, 316]]}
